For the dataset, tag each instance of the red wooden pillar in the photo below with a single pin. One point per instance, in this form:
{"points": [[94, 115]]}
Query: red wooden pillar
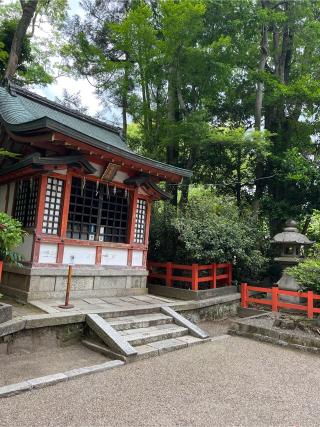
{"points": [[274, 299], [64, 217], [244, 295], [65, 206], [98, 255], [195, 276], [39, 219], [214, 276], [169, 274], [310, 304]]}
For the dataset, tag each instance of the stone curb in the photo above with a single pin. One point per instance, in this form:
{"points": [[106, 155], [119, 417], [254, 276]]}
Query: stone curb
{"points": [[41, 382], [182, 321]]}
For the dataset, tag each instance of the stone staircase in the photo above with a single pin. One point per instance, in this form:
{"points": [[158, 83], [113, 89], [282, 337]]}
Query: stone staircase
{"points": [[142, 335]]}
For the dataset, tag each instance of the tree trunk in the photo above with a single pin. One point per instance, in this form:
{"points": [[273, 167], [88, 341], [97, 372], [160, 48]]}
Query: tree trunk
{"points": [[28, 11], [173, 112], [259, 170]]}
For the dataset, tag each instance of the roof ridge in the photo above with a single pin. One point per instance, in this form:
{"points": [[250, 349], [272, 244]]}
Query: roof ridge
{"points": [[41, 99]]}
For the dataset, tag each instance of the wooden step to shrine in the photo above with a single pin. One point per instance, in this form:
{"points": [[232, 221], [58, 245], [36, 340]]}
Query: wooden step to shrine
{"points": [[143, 335]]}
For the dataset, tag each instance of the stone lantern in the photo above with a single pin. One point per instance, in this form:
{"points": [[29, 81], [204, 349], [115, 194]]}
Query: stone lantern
{"points": [[291, 246]]}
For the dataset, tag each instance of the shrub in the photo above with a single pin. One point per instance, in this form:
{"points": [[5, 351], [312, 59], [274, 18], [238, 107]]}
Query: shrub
{"points": [[11, 236], [307, 272], [208, 230]]}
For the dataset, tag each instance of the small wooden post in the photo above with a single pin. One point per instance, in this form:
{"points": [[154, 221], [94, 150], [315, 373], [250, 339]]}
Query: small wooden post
{"points": [[310, 304], [274, 299], [195, 276], [69, 281], [244, 295], [214, 276], [169, 274], [230, 274]]}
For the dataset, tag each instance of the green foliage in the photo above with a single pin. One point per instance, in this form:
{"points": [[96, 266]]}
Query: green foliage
{"points": [[29, 69], [11, 236], [208, 229], [307, 272], [34, 65], [6, 153], [314, 226]]}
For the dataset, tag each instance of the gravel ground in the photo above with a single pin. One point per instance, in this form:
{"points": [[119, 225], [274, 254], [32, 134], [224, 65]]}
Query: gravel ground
{"points": [[230, 382]]}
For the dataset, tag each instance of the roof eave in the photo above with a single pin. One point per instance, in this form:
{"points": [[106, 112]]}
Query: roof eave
{"points": [[48, 123]]}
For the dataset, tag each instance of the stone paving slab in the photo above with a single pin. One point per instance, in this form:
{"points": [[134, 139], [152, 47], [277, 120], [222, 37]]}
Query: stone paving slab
{"points": [[168, 345]]}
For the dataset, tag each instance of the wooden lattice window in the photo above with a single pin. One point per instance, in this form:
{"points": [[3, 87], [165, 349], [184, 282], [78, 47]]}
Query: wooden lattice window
{"points": [[52, 206], [140, 225], [26, 202], [97, 212]]}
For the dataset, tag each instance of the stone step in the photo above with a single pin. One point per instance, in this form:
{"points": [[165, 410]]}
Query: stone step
{"points": [[159, 347], [109, 335], [140, 336], [139, 321]]}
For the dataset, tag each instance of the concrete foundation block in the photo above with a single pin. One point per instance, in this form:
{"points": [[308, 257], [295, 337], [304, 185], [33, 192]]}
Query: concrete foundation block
{"points": [[12, 326], [45, 284], [5, 312]]}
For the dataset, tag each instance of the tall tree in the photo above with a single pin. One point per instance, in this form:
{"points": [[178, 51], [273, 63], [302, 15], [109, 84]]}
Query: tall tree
{"points": [[28, 11]]}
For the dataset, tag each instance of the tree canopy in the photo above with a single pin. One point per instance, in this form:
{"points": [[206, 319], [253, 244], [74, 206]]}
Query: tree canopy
{"points": [[229, 89]]}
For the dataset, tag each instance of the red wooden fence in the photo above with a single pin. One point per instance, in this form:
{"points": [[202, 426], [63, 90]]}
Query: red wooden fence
{"points": [[195, 277], [275, 302]]}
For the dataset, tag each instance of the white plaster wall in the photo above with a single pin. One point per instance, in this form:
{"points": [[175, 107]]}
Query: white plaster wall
{"points": [[48, 253], [81, 255], [99, 169], [11, 195], [3, 193], [61, 171], [114, 256], [137, 258], [26, 248], [120, 176]]}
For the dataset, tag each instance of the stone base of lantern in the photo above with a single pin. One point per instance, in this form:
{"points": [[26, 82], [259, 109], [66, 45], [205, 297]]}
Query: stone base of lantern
{"points": [[288, 283]]}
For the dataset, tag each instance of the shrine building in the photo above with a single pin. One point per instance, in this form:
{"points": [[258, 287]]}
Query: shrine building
{"points": [[83, 197]]}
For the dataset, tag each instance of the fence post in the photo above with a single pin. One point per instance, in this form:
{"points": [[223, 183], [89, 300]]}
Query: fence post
{"points": [[310, 304], [195, 275], [244, 295], [230, 274], [214, 276], [169, 274], [274, 299]]}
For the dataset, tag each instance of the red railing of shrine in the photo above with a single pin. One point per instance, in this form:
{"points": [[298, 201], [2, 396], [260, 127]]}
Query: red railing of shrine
{"points": [[275, 302], [197, 274]]}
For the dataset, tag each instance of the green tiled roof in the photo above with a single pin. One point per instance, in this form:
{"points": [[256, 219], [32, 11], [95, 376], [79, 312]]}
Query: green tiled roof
{"points": [[26, 107], [22, 111]]}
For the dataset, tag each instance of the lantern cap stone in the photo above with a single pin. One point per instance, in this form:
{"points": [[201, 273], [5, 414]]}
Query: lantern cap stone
{"points": [[290, 234]]}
